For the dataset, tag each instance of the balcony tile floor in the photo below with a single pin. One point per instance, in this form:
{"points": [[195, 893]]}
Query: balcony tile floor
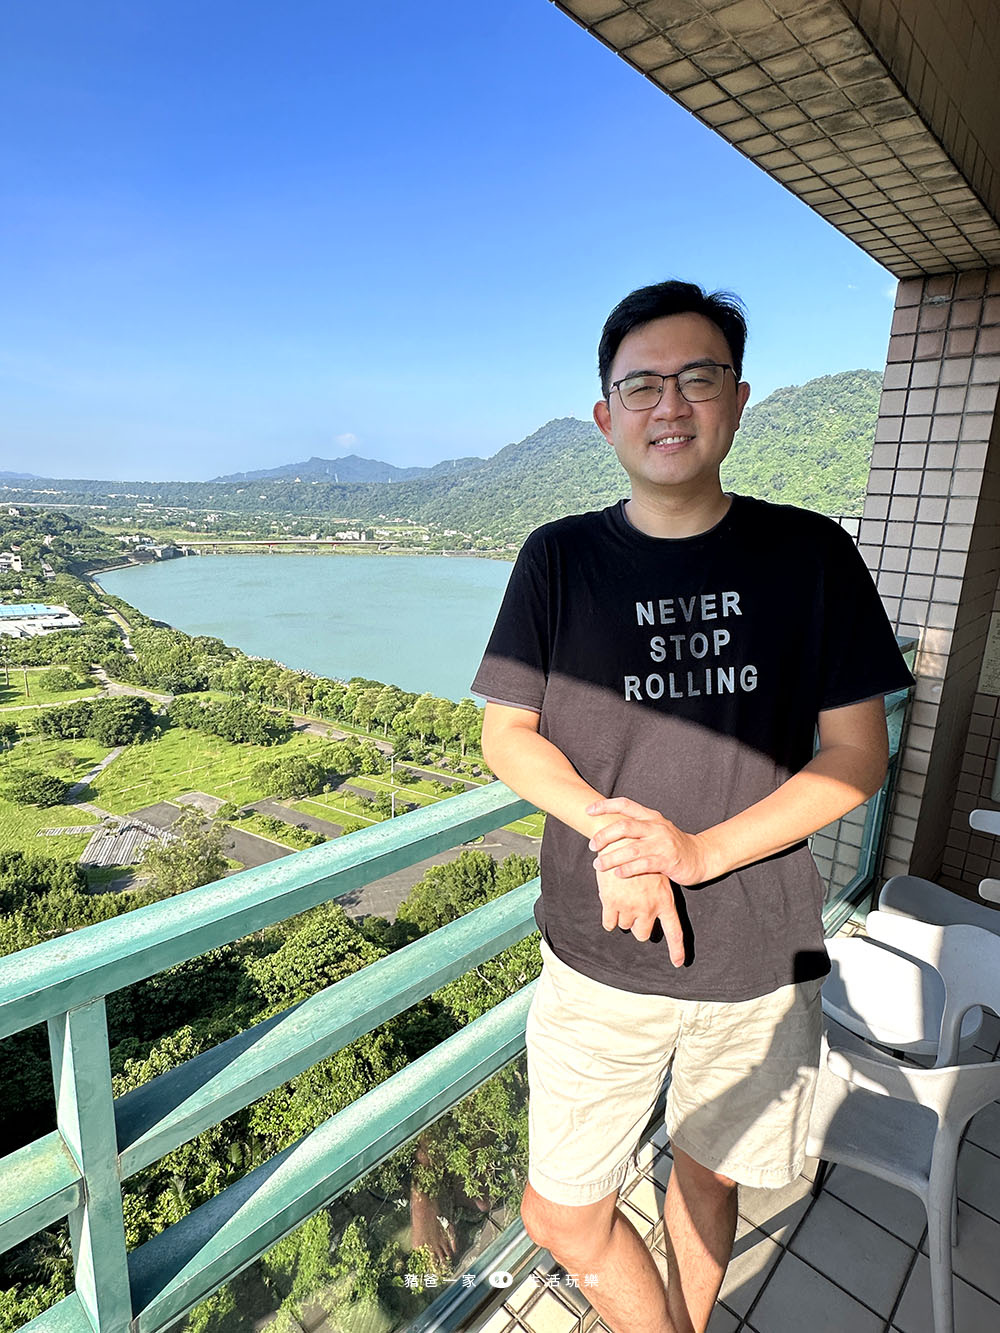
{"points": [[852, 1260]]}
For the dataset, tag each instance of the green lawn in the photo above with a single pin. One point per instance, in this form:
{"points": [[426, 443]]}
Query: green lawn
{"points": [[19, 825], [14, 695], [182, 761], [255, 823], [336, 806], [69, 759], [329, 805]]}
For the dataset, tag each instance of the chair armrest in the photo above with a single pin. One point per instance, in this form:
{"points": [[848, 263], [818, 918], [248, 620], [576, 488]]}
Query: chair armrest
{"points": [[989, 890], [986, 821]]}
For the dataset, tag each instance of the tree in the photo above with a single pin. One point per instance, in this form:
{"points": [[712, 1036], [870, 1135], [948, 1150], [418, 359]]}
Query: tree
{"points": [[31, 786], [468, 723], [60, 678], [9, 734], [121, 721], [444, 722], [387, 704], [192, 857], [294, 775], [321, 948], [422, 715], [364, 708], [448, 891]]}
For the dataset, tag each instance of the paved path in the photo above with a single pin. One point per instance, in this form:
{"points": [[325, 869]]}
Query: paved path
{"points": [[87, 779], [51, 703], [279, 810], [250, 849], [115, 687], [383, 896]]}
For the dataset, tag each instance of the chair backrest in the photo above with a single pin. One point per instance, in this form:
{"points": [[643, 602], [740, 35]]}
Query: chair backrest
{"points": [[884, 996], [922, 899], [967, 957]]}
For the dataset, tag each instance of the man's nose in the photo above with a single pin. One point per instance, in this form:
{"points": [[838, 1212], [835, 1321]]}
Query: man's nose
{"points": [[672, 402]]}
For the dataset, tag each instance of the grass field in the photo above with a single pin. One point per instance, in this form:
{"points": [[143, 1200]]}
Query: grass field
{"points": [[14, 695], [330, 805], [255, 823], [177, 762], [181, 761], [19, 825], [337, 807]]}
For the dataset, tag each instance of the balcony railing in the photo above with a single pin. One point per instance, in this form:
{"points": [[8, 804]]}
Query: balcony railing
{"points": [[76, 1171]]}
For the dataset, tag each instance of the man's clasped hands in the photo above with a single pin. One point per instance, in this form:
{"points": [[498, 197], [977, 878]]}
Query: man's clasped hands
{"points": [[639, 853]]}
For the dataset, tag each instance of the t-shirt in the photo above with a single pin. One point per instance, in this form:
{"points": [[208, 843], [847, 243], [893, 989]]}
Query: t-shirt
{"points": [[688, 674]]}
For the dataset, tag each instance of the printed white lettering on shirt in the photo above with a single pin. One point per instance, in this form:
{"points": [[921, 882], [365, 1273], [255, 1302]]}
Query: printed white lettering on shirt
{"points": [[698, 645], [665, 614]]}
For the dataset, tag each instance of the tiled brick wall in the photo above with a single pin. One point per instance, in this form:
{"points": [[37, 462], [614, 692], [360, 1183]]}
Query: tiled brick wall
{"points": [[930, 536]]}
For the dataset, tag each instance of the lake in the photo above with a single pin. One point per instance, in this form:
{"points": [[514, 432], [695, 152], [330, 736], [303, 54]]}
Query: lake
{"points": [[420, 622]]}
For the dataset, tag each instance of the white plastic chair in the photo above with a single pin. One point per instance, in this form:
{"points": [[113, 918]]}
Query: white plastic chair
{"points": [[903, 1125], [968, 959], [909, 895], [987, 821], [897, 997]]}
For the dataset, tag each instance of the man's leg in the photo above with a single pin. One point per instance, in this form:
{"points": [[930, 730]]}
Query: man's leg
{"points": [[699, 1216], [596, 1238]]}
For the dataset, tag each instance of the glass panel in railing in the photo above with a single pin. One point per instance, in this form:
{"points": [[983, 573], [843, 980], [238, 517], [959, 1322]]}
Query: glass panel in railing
{"points": [[402, 1236], [839, 850]]}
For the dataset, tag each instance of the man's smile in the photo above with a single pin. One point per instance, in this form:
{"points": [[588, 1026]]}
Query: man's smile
{"points": [[667, 442]]}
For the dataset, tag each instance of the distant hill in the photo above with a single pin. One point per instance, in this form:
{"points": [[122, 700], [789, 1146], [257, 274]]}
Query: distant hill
{"points": [[807, 444], [19, 476], [350, 468]]}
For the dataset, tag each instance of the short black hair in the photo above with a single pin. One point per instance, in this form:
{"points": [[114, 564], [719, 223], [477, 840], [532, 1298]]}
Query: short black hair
{"points": [[645, 304]]}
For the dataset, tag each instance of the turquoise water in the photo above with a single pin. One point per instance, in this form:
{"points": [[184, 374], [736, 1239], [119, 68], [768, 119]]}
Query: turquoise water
{"points": [[420, 622]]}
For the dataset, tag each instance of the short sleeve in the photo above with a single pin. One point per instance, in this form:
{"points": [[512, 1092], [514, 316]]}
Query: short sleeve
{"points": [[515, 666], [861, 658]]}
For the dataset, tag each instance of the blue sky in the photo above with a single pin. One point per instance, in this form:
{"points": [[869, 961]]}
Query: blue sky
{"points": [[237, 235]]}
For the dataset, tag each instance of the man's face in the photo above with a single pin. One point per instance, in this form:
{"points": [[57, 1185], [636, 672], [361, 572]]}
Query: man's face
{"points": [[675, 446]]}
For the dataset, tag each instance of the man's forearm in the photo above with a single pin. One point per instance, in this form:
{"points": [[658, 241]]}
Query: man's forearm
{"points": [[636, 840], [831, 784], [540, 772]]}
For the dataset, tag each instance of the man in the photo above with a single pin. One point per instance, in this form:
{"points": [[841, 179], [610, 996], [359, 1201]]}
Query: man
{"points": [[655, 680]]}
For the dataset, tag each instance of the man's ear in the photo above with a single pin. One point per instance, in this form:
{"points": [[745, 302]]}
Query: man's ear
{"points": [[602, 415], [742, 394]]}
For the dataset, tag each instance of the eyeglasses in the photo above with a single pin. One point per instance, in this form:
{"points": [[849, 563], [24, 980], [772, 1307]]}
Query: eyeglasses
{"points": [[698, 384]]}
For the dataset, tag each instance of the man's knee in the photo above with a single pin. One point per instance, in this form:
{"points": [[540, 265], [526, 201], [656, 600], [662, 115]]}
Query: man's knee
{"points": [[573, 1235], [692, 1174]]}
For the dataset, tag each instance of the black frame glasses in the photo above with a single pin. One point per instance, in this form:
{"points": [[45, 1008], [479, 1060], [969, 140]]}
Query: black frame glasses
{"points": [[692, 386]]}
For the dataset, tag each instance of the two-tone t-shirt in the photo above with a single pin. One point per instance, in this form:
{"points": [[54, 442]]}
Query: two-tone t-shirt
{"points": [[688, 675]]}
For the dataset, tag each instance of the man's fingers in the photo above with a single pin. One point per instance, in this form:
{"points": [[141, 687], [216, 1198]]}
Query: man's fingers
{"points": [[616, 832], [673, 933], [627, 861], [609, 917]]}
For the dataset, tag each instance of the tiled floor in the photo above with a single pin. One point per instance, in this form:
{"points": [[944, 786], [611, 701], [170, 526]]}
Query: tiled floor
{"points": [[849, 1261]]}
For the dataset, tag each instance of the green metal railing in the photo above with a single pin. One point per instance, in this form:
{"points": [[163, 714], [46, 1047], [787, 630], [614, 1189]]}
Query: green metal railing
{"points": [[76, 1171]]}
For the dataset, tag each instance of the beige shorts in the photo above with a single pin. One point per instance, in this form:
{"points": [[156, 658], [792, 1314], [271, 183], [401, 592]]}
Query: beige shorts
{"points": [[742, 1078]]}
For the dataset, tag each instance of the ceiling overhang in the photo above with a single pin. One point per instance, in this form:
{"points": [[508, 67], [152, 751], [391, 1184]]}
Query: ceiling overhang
{"points": [[882, 115]]}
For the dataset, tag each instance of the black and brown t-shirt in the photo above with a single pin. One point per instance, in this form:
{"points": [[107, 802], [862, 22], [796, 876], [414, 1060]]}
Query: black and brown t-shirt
{"points": [[688, 675]]}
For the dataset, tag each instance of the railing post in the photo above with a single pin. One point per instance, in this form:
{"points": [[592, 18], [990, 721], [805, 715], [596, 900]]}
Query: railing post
{"points": [[81, 1073]]}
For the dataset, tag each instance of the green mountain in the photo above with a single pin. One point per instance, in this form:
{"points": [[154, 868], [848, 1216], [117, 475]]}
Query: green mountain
{"points": [[807, 444]]}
